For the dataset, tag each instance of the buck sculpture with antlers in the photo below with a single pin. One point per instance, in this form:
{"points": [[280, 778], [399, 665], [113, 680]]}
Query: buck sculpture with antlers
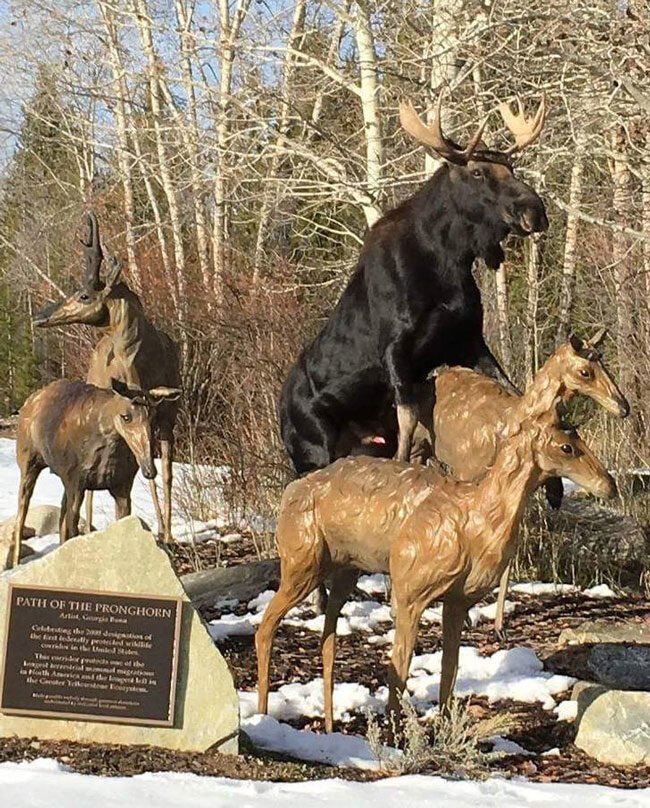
{"points": [[132, 350], [412, 303]]}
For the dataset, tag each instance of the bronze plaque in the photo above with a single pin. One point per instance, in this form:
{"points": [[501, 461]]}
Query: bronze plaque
{"points": [[96, 656]]}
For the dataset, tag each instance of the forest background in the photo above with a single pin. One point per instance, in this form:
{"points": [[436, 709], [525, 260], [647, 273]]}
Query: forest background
{"points": [[236, 151]]}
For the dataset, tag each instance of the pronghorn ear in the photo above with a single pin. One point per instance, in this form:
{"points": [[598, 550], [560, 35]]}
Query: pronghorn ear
{"points": [[598, 337], [132, 393], [113, 274], [119, 387], [160, 394], [576, 343]]}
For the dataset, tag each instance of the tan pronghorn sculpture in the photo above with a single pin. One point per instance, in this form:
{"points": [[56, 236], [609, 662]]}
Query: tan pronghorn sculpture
{"points": [[440, 540], [92, 438], [474, 414], [132, 350]]}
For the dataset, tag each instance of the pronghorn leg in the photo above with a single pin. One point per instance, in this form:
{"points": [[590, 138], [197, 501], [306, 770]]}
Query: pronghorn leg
{"points": [[407, 621], [89, 511], [166, 455], [27, 482], [156, 504], [501, 602], [63, 519], [122, 504], [294, 587], [75, 501], [453, 619], [342, 586]]}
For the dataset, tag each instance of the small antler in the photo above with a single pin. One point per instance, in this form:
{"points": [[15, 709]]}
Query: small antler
{"points": [[94, 254], [526, 130], [432, 136], [598, 337]]}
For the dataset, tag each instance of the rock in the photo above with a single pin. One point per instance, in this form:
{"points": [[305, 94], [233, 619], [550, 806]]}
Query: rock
{"points": [[42, 520], [613, 725], [602, 631], [240, 582], [125, 558], [624, 667]]}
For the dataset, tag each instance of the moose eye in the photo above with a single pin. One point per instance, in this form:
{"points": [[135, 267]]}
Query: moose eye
{"points": [[567, 448], [477, 173], [585, 373], [126, 417]]}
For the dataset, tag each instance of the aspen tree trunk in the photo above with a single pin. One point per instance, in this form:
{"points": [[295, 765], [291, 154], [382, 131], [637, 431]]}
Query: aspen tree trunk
{"points": [[270, 194], [157, 217], [123, 151], [192, 138], [623, 212], [442, 53], [503, 319], [531, 340], [153, 67], [228, 35], [332, 52], [369, 107], [571, 243]]}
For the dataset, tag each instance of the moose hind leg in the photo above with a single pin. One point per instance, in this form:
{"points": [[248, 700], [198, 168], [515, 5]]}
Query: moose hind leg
{"points": [[89, 511]]}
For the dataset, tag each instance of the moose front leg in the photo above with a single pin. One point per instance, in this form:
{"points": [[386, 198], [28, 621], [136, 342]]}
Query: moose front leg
{"points": [[399, 363]]}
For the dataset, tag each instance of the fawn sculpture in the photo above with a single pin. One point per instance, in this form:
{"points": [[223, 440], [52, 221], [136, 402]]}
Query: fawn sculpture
{"points": [[92, 438], [440, 540], [132, 350], [474, 414]]}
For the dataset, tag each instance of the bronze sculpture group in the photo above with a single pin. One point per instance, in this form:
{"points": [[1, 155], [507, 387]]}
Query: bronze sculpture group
{"points": [[402, 370]]}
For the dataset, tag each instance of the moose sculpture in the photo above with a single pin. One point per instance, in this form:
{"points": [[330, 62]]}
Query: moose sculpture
{"points": [[92, 438], [412, 303], [474, 414], [132, 350], [441, 540]]}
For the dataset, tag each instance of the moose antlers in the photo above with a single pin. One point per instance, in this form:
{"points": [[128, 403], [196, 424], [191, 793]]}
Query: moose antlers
{"points": [[525, 130], [431, 135], [94, 254]]}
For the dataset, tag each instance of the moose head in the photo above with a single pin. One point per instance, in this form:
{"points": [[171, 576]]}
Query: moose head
{"points": [[87, 304], [480, 183]]}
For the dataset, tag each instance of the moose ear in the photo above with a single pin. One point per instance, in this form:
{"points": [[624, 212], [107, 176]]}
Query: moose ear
{"points": [[598, 337], [160, 394], [576, 343]]}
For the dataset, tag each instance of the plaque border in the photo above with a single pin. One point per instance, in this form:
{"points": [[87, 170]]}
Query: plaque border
{"points": [[151, 722]]}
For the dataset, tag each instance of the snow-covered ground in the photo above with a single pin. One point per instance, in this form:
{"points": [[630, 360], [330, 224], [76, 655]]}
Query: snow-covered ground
{"points": [[516, 674], [46, 784]]}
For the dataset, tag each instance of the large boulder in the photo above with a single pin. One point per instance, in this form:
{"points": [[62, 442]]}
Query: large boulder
{"points": [[613, 725], [125, 559], [604, 631]]}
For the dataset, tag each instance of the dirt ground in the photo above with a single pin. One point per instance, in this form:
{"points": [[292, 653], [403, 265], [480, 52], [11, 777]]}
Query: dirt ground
{"points": [[536, 623]]}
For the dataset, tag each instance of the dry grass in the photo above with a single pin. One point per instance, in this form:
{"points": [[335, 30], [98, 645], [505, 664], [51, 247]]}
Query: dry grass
{"points": [[454, 745]]}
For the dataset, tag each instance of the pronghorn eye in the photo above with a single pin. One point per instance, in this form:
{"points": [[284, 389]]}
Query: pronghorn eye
{"points": [[567, 448], [585, 373], [126, 417]]}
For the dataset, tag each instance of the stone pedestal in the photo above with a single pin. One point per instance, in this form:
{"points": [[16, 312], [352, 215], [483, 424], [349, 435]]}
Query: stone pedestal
{"points": [[125, 559]]}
